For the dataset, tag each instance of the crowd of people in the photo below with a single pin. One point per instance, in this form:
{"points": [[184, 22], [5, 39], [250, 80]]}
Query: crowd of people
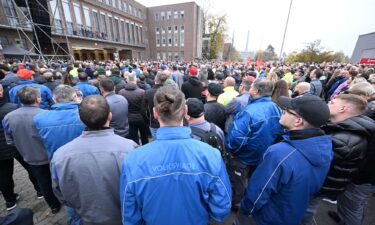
{"points": [[143, 142]]}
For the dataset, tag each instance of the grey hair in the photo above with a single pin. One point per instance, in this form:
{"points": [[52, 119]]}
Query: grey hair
{"points": [[132, 77], [28, 95], [246, 84], [263, 86], [362, 88], [64, 93]]}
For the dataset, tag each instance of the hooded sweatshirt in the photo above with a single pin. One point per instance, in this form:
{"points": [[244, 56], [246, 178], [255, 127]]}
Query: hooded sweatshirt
{"points": [[291, 172], [192, 88]]}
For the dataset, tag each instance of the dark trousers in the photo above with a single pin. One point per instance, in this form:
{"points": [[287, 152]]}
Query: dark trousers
{"points": [[140, 126], [43, 176], [6, 177], [18, 216], [239, 175]]}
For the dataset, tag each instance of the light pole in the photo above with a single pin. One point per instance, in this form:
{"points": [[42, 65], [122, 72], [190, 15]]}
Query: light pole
{"points": [[286, 27]]}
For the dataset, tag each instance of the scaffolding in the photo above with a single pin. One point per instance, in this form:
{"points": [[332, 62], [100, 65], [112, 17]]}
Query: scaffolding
{"points": [[28, 22]]}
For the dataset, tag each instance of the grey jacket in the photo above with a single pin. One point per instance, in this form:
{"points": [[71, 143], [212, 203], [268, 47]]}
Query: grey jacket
{"points": [[20, 130], [119, 109], [86, 175]]}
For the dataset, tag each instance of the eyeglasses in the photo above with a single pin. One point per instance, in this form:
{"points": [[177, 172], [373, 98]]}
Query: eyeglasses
{"points": [[290, 112]]}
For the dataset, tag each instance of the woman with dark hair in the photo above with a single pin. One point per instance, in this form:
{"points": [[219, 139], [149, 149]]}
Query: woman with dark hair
{"points": [[280, 89], [174, 164]]}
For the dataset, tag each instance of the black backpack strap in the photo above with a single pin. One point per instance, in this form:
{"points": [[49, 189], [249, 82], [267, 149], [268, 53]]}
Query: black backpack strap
{"points": [[198, 132], [213, 128]]}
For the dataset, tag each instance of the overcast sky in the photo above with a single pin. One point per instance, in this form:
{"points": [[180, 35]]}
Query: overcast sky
{"points": [[337, 23]]}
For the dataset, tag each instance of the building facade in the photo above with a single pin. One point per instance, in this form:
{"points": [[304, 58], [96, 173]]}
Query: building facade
{"points": [[175, 31], [364, 51], [108, 29]]}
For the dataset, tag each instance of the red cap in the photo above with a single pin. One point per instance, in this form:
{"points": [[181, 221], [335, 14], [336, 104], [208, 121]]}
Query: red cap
{"points": [[25, 74], [193, 71], [250, 78]]}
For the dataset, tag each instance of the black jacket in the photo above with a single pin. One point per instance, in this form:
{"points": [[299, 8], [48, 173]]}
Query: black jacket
{"points": [[148, 104], [192, 88], [6, 151], [134, 95], [215, 113], [350, 138]]}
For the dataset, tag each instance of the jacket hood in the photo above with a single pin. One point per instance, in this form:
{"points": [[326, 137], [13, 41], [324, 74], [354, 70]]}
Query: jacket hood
{"points": [[3, 101], [130, 86], [361, 125], [194, 81], [317, 150]]}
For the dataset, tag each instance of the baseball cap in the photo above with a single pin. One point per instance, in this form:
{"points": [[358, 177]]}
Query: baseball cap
{"points": [[193, 70], [214, 89], [195, 107], [25, 74], [311, 108]]}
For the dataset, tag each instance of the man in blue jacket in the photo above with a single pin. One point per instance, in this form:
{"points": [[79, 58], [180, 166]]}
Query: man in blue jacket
{"points": [[175, 179], [59, 126], [254, 129], [84, 86], [26, 79], [291, 171]]}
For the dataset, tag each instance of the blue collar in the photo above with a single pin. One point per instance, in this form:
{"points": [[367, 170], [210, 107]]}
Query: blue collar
{"points": [[65, 105], [175, 132], [260, 99], [26, 82]]}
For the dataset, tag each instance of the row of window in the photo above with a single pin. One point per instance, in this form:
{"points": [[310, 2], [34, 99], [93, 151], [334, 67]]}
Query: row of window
{"points": [[123, 6], [166, 37], [118, 29], [170, 56], [168, 15]]}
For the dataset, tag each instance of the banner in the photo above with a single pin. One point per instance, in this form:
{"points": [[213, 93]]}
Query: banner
{"points": [[367, 61]]}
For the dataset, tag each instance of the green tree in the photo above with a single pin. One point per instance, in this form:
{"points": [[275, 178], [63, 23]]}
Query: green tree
{"points": [[217, 26], [314, 52]]}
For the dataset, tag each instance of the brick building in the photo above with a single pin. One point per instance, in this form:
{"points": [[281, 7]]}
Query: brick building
{"points": [[107, 29]]}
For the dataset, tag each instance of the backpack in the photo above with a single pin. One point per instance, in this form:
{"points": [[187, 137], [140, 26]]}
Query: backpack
{"points": [[210, 137]]}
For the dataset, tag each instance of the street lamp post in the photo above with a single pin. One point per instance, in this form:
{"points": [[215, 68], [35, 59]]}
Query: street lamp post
{"points": [[286, 27]]}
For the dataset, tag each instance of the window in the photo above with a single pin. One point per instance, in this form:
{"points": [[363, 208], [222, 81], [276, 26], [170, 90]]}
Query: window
{"points": [[182, 55], [176, 56], [123, 31], [162, 15], [120, 3], [156, 16], [57, 22], [140, 13], [175, 15], [182, 37], [104, 27], [141, 32], [164, 56], [169, 15], [125, 6], [130, 8], [133, 34], [182, 14], [111, 27], [10, 12], [175, 37], [114, 3], [68, 17], [96, 21], [169, 56], [135, 11], [128, 31], [77, 13], [117, 30], [169, 36], [157, 35], [107, 2], [163, 39], [86, 12], [158, 56], [137, 34]]}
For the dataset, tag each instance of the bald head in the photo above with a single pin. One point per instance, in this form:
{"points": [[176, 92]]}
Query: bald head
{"points": [[229, 82], [302, 87]]}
